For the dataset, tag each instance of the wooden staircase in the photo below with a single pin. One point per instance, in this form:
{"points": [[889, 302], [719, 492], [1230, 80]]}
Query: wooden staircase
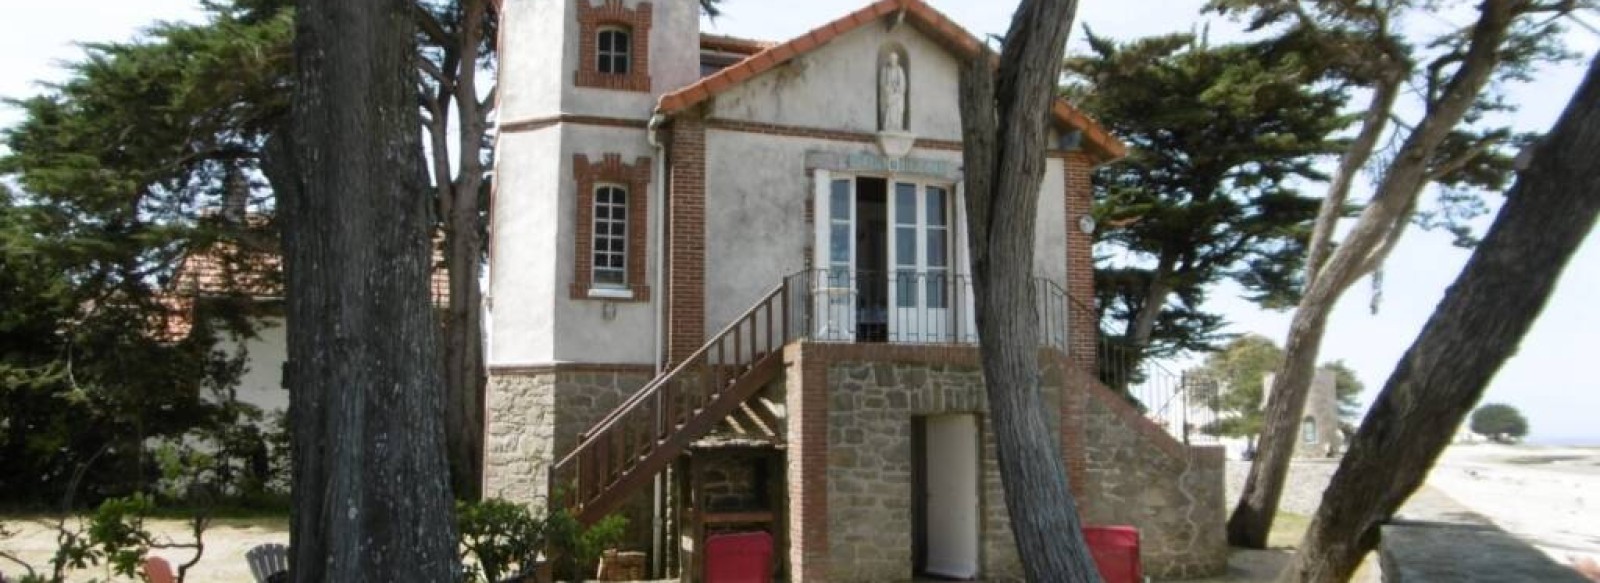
{"points": [[641, 437]]}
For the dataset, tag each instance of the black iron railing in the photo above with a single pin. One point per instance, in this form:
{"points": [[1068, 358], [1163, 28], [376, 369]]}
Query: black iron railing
{"points": [[1185, 403], [904, 307]]}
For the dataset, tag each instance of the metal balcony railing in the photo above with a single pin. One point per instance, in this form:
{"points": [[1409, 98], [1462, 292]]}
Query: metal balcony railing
{"points": [[904, 307]]}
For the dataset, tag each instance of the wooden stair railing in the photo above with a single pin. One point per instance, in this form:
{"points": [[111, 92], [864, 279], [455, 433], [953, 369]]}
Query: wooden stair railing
{"points": [[639, 438]]}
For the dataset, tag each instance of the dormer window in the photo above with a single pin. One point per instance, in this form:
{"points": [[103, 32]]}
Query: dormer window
{"points": [[613, 50]]}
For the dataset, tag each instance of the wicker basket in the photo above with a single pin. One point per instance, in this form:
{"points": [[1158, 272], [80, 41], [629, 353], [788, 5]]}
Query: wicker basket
{"points": [[623, 566]]}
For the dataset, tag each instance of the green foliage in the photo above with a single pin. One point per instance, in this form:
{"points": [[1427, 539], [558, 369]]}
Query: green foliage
{"points": [[118, 534], [1360, 42], [1219, 138], [1240, 370], [1499, 422], [506, 538], [574, 549], [116, 169], [501, 535]]}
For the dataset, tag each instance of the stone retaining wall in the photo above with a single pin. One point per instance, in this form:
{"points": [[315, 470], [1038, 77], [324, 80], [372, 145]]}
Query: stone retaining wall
{"points": [[1139, 475], [869, 488]]}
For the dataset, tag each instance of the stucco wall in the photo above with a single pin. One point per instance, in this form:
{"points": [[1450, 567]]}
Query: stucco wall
{"points": [[262, 382], [757, 189], [1322, 404], [540, 54], [536, 319], [1173, 494], [836, 86]]}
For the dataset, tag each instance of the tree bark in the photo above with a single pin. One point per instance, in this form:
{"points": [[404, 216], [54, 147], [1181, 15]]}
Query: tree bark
{"points": [[371, 501], [1003, 126], [1475, 329], [1374, 233], [462, 213]]}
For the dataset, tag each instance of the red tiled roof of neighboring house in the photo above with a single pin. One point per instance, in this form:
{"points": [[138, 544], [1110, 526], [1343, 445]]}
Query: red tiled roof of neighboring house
{"points": [[931, 22], [225, 269], [732, 44]]}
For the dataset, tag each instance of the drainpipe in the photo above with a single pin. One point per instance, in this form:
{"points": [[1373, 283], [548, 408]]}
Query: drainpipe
{"points": [[658, 219]]}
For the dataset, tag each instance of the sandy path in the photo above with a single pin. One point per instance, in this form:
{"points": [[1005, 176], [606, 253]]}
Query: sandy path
{"points": [[222, 562]]}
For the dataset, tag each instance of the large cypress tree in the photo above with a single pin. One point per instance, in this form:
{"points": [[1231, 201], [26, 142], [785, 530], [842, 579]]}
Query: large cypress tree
{"points": [[1221, 138], [371, 492]]}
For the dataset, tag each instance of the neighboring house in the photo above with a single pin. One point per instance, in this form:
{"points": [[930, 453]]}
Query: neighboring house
{"points": [[729, 291], [1319, 435], [205, 280]]}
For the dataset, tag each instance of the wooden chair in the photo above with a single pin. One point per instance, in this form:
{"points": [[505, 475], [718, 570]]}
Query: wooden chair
{"points": [[267, 560], [158, 570]]}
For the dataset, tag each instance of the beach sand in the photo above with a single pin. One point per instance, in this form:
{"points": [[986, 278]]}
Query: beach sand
{"points": [[1547, 496]]}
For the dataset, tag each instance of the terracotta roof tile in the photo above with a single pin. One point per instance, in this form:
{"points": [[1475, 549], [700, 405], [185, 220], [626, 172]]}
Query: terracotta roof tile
{"points": [[920, 14]]}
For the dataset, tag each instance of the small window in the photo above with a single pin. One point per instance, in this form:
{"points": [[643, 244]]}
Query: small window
{"points": [[1308, 430], [614, 50], [610, 253]]}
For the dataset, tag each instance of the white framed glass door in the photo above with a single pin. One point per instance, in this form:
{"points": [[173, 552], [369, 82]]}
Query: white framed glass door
{"points": [[920, 276], [835, 259]]}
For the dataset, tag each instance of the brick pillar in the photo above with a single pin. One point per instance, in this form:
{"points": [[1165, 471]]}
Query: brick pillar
{"points": [[686, 239], [1083, 329], [807, 474]]}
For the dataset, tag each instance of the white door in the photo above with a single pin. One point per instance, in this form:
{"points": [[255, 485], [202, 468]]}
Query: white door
{"points": [[951, 463], [834, 285], [920, 280]]}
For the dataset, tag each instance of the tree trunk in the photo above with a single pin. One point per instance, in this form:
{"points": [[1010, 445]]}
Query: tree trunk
{"points": [[464, 374], [1155, 297], [1475, 329], [1003, 126], [371, 500], [1374, 234], [459, 210]]}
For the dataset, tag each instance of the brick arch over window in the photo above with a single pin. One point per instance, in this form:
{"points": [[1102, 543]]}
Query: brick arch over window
{"points": [[613, 13], [610, 171]]}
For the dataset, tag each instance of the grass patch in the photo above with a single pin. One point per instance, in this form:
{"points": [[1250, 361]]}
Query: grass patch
{"points": [[1287, 530]]}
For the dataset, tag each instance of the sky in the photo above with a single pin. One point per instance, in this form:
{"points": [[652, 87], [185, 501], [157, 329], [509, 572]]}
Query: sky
{"points": [[1549, 379]]}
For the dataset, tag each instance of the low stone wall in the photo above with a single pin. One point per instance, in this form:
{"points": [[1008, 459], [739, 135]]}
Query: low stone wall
{"points": [[1138, 475], [871, 407]]}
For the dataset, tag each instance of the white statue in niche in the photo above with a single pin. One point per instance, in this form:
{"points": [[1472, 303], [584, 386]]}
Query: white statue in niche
{"points": [[892, 94]]}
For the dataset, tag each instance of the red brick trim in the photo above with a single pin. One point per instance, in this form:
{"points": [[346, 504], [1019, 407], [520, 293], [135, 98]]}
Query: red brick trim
{"points": [[529, 125], [613, 13], [573, 367], [686, 244], [636, 177], [808, 461], [1083, 331], [769, 129]]}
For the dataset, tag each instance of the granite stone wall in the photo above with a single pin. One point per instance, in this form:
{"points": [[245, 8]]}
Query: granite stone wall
{"points": [[869, 499], [1172, 493], [535, 417]]}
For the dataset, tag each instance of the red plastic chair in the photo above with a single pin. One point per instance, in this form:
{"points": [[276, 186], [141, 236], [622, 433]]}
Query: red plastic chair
{"points": [[1116, 552], [158, 570]]}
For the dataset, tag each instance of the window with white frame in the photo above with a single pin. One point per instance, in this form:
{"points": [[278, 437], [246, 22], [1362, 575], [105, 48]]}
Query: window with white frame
{"points": [[1308, 430], [613, 50], [610, 254]]}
